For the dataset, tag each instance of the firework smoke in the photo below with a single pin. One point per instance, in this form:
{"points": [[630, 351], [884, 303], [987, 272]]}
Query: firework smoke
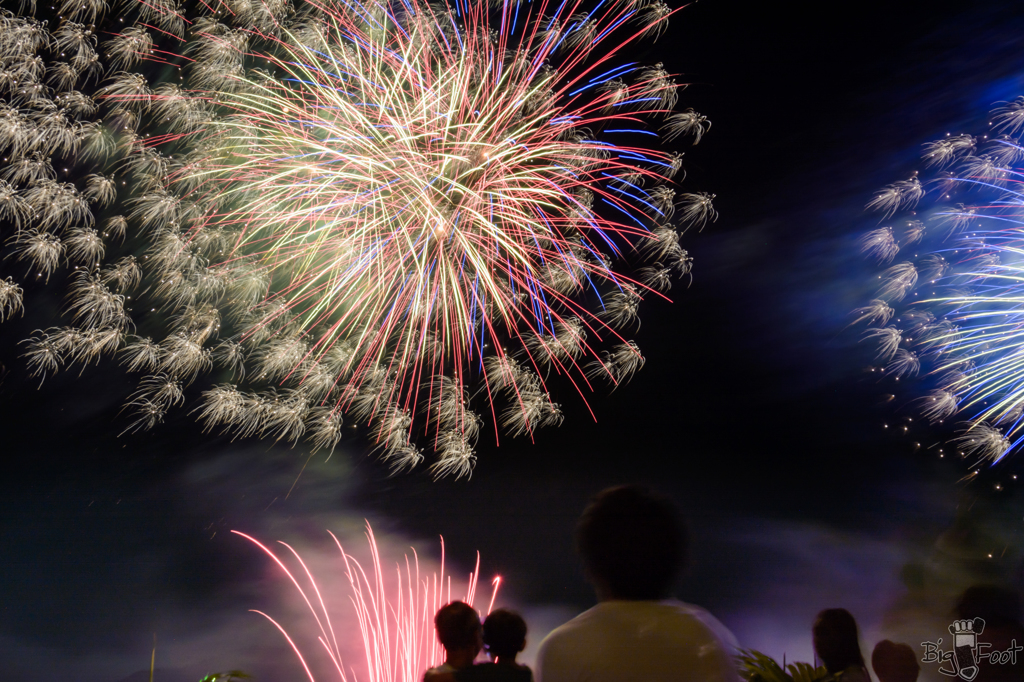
{"points": [[321, 212]]}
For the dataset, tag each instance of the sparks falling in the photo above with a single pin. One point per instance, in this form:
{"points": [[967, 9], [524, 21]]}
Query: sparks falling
{"points": [[395, 618]]}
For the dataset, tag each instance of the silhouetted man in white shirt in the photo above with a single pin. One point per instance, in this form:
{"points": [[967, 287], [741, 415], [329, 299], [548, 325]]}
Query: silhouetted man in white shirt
{"points": [[632, 545]]}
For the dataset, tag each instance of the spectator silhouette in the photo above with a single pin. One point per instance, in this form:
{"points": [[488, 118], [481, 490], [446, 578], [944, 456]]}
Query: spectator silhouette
{"points": [[838, 646], [458, 630], [632, 545], [894, 662], [504, 638]]}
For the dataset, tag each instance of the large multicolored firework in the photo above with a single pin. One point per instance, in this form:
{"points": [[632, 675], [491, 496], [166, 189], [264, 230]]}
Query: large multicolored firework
{"points": [[955, 307], [382, 211], [395, 621]]}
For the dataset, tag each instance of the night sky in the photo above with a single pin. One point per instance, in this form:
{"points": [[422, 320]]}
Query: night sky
{"points": [[754, 410]]}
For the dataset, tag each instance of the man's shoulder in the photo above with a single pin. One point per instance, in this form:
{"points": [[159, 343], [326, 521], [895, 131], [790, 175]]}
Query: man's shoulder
{"points": [[711, 624], [616, 637], [568, 629], [670, 615], [441, 669], [441, 673], [555, 642]]}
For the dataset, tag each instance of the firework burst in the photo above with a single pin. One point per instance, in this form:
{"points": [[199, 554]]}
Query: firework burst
{"points": [[955, 306], [381, 213]]}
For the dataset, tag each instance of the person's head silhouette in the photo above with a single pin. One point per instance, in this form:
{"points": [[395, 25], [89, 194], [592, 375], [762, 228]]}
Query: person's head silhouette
{"points": [[836, 641], [632, 544]]}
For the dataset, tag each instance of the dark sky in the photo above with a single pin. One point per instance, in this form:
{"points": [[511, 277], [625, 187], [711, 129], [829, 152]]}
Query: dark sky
{"points": [[753, 410]]}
